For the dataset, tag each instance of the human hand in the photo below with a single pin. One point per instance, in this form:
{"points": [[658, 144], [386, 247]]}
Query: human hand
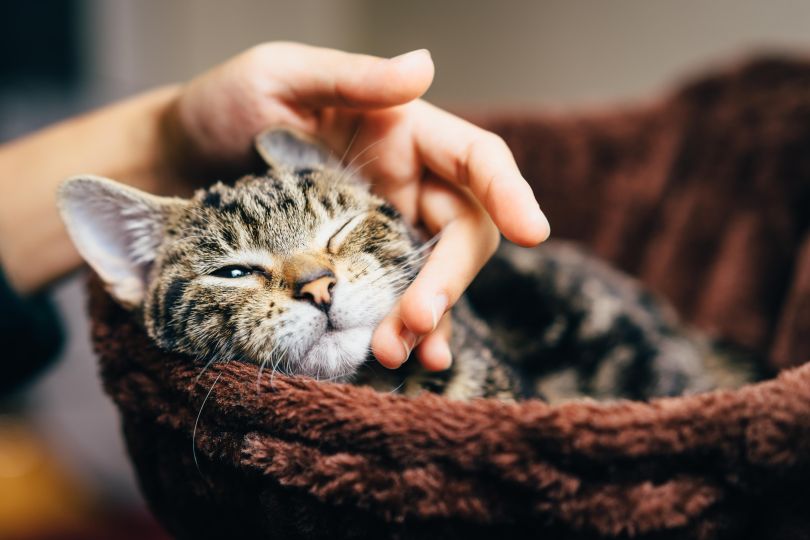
{"points": [[437, 169]]}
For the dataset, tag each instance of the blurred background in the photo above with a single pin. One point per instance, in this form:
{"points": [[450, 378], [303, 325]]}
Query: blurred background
{"points": [[62, 463]]}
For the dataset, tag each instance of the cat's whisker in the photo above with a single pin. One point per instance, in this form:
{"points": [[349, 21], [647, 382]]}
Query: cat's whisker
{"points": [[334, 377], [353, 171], [280, 359], [356, 170], [282, 366], [347, 170], [205, 367], [197, 422], [364, 150], [259, 376], [269, 357], [351, 143], [422, 255], [388, 273], [398, 388], [429, 243]]}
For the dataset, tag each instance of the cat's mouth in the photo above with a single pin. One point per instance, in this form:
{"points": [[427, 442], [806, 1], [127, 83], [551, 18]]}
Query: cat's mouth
{"points": [[334, 354]]}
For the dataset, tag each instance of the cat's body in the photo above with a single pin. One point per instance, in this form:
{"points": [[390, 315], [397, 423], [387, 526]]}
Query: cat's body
{"points": [[294, 270]]}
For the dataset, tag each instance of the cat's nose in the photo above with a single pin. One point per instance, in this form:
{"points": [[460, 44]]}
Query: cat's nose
{"points": [[316, 288], [311, 278]]}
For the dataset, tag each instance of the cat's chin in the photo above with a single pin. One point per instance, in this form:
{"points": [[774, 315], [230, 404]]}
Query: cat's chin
{"points": [[336, 354]]}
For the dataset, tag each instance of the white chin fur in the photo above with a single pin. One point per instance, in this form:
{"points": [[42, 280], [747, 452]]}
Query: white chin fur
{"points": [[335, 354]]}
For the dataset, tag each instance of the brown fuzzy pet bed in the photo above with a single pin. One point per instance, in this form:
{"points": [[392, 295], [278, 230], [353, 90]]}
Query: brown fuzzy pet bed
{"points": [[705, 195]]}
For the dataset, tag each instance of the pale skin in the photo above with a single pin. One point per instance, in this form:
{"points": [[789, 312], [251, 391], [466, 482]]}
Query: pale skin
{"points": [[440, 171]]}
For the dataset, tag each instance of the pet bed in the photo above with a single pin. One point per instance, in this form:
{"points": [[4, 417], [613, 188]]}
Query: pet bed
{"points": [[705, 195]]}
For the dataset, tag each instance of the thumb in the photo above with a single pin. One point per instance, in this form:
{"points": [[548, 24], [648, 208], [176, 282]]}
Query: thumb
{"points": [[317, 77]]}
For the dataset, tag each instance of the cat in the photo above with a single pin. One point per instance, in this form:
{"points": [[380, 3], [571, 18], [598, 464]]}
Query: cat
{"points": [[293, 270]]}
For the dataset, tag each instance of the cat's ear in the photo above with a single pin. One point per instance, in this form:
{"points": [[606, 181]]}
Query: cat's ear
{"points": [[117, 229], [285, 148]]}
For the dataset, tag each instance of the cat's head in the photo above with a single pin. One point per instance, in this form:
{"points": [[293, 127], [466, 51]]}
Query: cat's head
{"points": [[292, 270]]}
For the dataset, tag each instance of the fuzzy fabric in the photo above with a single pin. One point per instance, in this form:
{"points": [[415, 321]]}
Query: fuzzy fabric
{"points": [[704, 195]]}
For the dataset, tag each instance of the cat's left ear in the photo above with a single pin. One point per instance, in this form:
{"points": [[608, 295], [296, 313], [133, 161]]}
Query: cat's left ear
{"points": [[117, 229], [286, 148]]}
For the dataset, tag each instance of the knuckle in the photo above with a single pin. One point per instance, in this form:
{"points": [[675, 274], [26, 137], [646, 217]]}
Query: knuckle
{"points": [[268, 52], [259, 52], [492, 141], [480, 148]]}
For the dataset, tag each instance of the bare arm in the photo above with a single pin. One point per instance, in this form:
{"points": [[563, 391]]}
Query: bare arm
{"points": [[125, 141]]}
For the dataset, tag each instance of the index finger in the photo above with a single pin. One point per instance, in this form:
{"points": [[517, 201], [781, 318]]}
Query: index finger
{"points": [[463, 153]]}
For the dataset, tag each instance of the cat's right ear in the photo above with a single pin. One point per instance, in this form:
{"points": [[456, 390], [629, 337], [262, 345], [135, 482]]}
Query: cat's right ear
{"points": [[117, 229], [286, 148]]}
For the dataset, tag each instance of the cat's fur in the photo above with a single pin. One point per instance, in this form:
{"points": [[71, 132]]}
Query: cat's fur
{"points": [[561, 323]]}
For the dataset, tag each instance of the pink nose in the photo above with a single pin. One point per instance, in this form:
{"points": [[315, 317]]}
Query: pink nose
{"points": [[318, 291]]}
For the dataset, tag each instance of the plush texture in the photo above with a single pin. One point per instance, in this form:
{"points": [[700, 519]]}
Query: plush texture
{"points": [[704, 195]]}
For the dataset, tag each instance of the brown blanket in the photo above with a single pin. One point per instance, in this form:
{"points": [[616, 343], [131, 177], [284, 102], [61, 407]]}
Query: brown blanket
{"points": [[705, 195]]}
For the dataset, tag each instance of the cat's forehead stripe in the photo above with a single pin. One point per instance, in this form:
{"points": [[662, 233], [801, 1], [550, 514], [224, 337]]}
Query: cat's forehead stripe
{"points": [[262, 219], [275, 214]]}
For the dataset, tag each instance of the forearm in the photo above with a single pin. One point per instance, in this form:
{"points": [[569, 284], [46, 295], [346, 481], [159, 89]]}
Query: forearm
{"points": [[126, 141]]}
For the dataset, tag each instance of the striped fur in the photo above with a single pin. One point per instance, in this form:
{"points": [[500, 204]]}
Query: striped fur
{"points": [[551, 322], [264, 223]]}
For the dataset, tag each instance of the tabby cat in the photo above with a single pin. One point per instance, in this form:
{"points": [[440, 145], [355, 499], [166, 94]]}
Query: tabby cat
{"points": [[294, 269]]}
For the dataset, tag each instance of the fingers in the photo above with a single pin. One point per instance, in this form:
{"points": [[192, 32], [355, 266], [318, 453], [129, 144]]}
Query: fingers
{"points": [[468, 239], [392, 342], [462, 153], [434, 351], [316, 77]]}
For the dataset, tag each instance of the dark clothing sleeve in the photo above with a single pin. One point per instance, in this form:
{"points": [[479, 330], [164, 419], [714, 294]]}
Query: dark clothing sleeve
{"points": [[31, 335]]}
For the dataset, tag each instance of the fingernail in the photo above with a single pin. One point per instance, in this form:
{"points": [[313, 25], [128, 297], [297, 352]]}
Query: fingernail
{"points": [[412, 56], [449, 356], [438, 307], [408, 340]]}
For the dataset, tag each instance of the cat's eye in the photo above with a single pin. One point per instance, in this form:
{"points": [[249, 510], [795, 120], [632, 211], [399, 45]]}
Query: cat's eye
{"points": [[343, 232], [232, 272]]}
